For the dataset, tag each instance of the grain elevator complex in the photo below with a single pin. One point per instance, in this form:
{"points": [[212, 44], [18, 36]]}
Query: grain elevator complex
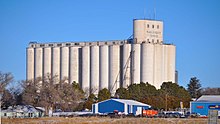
{"points": [[107, 64]]}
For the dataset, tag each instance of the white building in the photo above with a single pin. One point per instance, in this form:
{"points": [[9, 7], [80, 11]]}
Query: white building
{"points": [[107, 64]]}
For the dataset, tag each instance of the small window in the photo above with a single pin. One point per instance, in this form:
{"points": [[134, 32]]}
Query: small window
{"points": [[157, 41], [148, 26], [50, 44], [67, 44], [152, 26], [59, 44], [153, 40], [42, 45], [106, 43], [158, 26], [76, 43]]}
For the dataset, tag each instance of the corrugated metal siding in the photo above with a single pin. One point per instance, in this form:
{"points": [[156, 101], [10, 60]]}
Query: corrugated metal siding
{"points": [[202, 107], [110, 106]]}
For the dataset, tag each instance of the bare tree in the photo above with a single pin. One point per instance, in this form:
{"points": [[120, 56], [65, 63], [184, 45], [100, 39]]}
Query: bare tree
{"points": [[5, 79], [210, 91], [49, 92], [5, 95]]}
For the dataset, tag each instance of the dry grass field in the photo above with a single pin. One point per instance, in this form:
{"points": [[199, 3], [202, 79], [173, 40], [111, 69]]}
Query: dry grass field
{"points": [[105, 120]]}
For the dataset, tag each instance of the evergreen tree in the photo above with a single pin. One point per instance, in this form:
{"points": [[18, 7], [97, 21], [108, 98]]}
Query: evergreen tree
{"points": [[91, 99], [122, 93], [104, 94], [194, 87]]}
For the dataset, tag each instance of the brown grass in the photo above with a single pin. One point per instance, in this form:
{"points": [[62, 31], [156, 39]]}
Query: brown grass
{"points": [[104, 120]]}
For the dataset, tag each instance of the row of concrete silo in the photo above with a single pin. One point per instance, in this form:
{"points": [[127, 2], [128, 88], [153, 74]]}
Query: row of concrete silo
{"points": [[99, 66], [93, 66]]}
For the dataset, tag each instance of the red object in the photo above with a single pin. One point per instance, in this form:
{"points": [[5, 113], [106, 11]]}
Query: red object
{"points": [[150, 113], [200, 107]]}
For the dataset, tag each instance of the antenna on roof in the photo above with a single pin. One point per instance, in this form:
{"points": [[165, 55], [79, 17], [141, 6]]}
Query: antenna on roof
{"points": [[154, 13], [154, 10], [144, 13]]}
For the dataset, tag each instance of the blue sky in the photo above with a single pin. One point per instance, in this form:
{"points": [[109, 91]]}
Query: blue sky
{"points": [[192, 25]]}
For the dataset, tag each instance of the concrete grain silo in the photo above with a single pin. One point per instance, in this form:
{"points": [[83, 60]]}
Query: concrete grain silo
{"points": [[94, 69], [147, 63], [107, 64], [86, 68], [38, 62], [74, 64], [165, 63], [64, 63], [114, 64], [158, 55], [104, 66], [47, 61], [126, 73], [30, 63], [171, 63], [136, 63], [56, 62]]}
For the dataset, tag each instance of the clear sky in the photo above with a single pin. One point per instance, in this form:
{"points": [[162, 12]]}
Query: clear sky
{"points": [[192, 25]]}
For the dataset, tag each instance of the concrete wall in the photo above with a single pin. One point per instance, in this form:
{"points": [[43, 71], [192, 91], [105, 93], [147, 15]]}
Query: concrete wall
{"points": [[136, 63], [30, 63], [38, 63], [47, 61], [86, 68], [64, 64], [126, 67], [150, 31], [114, 66], [98, 65], [56, 62], [147, 63], [104, 67], [94, 69], [74, 65]]}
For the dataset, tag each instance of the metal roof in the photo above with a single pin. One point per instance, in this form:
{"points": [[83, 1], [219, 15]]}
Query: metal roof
{"points": [[129, 102], [209, 98], [21, 108]]}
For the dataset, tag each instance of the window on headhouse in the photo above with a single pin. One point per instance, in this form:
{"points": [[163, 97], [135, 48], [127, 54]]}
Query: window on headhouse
{"points": [[68, 44], [152, 26], [148, 26], [157, 26], [50, 45], [42, 45]]}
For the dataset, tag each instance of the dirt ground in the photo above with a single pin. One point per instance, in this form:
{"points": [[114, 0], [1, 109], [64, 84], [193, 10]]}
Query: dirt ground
{"points": [[105, 120]]}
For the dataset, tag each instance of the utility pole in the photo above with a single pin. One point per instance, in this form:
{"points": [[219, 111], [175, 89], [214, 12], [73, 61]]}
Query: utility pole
{"points": [[166, 101]]}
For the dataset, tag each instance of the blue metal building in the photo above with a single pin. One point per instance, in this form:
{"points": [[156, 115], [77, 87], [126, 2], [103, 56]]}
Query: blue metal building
{"points": [[205, 103], [121, 105]]}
